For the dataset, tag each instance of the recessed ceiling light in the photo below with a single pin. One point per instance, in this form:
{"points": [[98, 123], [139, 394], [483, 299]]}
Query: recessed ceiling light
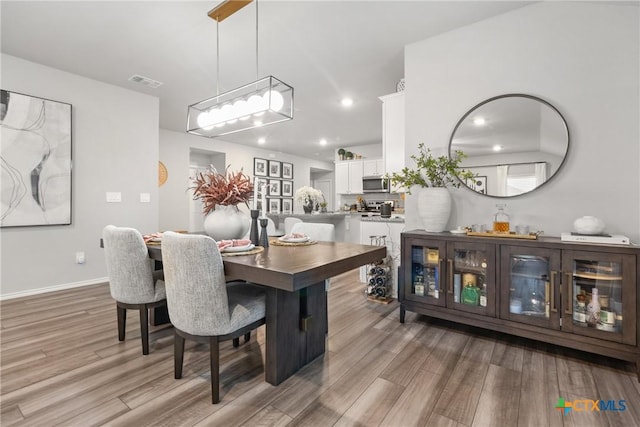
{"points": [[323, 141], [261, 141], [346, 102], [479, 121], [497, 147]]}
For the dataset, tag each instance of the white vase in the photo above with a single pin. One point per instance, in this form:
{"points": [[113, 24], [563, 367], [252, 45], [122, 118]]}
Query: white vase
{"points": [[226, 222], [434, 208]]}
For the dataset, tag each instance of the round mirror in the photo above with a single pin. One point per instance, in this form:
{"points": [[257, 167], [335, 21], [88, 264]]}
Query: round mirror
{"points": [[514, 144]]}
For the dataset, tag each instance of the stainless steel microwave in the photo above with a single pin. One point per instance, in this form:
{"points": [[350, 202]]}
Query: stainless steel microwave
{"points": [[375, 184]]}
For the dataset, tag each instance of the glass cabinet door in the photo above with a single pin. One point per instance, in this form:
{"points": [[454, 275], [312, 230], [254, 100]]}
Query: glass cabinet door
{"points": [[531, 285], [471, 269], [424, 279], [601, 294]]}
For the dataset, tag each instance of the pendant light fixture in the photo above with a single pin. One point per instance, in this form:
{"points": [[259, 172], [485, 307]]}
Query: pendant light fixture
{"points": [[263, 102]]}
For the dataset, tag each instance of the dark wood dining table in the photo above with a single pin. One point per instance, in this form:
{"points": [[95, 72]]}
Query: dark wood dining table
{"points": [[296, 307]]}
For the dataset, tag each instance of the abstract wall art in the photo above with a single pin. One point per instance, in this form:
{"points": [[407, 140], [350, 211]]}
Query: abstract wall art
{"points": [[35, 155]]}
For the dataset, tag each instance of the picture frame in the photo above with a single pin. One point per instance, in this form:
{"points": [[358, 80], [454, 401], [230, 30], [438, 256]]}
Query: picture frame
{"points": [[274, 205], [287, 206], [478, 184], [287, 170], [260, 166], [274, 188], [260, 185], [274, 169], [35, 147], [287, 189]]}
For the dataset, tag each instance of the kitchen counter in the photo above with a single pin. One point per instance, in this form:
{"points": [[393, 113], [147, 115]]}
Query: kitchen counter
{"points": [[336, 216], [377, 218]]}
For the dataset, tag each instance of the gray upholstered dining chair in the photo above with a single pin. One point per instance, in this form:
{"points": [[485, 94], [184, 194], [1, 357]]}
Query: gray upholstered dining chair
{"points": [[202, 307], [132, 282]]}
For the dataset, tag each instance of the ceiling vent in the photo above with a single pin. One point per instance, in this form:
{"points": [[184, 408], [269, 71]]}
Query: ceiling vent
{"points": [[146, 81]]}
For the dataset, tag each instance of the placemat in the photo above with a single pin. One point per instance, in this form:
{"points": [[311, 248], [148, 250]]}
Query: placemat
{"points": [[277, 242], [253, 251]]}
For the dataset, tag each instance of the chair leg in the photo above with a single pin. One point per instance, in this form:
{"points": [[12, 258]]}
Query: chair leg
{"points": [[236, 342], [214, 356], [144, 329], [122, 321], [247, 336], [178, 355]]}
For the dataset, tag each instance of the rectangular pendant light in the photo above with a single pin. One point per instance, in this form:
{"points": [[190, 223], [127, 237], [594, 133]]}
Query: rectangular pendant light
{"points": [[260, 103]]}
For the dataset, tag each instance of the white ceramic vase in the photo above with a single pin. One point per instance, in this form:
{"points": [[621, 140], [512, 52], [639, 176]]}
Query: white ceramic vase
{"points": [[226, 222], [434, 208]]}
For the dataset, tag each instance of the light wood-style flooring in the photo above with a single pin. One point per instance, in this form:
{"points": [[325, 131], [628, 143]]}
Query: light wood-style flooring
{"points": [[62, 364]]}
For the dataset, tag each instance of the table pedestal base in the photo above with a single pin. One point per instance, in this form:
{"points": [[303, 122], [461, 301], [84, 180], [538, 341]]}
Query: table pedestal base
{"points": [[296, 330]]}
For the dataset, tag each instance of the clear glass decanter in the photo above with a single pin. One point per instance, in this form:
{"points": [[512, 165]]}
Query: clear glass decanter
{"points": [[501, 220]]}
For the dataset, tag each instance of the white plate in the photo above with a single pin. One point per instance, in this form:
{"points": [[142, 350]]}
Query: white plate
{"points": [[294, 239], [239, 248], [463, 231]]}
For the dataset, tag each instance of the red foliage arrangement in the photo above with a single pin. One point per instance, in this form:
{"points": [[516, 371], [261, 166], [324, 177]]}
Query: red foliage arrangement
{"points": [[228, 189]]}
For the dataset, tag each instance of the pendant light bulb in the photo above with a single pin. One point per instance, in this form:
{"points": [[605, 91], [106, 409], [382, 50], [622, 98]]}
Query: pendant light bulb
{"points": [[273, 100], [241, 108], [204, 120], [256, 105]]}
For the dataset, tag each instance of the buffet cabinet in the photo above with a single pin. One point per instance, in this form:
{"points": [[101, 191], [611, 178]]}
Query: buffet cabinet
{"points": [[577, 295]]}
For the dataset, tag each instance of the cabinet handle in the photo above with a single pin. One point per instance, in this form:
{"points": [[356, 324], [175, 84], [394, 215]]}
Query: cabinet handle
{"points": [[450, 275], [569, 305], [553, 291]]}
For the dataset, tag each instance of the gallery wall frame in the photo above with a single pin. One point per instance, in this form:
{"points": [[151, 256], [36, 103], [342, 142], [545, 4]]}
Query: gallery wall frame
{"points": [[36, 152], [287, 170], [274, 169], [260, 166], [274, 188], [274, 205], [287, 188], [287, 205]]}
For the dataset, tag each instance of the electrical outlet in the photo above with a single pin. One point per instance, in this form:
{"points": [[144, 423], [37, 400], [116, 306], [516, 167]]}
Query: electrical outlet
{"points": [[80, 258]]}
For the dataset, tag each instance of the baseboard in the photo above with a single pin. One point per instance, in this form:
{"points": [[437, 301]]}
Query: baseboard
{"points": [[53, 288]]}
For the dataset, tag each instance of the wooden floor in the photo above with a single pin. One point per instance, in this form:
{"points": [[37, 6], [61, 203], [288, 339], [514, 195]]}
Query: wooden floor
{"points": [[61, 364]]}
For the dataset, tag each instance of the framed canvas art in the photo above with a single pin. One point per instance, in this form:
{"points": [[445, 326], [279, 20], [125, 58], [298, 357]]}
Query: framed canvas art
{"points": [[35, 148], [260, 166], [274, 188], [274, 205], [479, 184], [274, 169], [287, 170], [287, 188], [287, 205]]}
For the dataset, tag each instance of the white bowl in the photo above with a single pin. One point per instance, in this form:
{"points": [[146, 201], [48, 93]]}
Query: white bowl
{"points": [[588, 225]]}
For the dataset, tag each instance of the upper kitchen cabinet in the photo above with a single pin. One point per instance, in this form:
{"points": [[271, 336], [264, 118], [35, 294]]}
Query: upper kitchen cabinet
{"points": [[349, 177], [373, 167], [393, 118]]}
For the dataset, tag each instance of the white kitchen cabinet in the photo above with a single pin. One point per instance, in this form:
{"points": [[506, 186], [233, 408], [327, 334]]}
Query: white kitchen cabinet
{"points": [[349, 177], [373, 167], [393, 133]]}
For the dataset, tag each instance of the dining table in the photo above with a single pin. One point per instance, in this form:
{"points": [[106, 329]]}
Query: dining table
{"points": [[294, 277]]}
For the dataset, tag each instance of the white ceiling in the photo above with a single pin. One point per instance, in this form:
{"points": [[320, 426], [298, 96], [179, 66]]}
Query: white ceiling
{"points": [[324, 49]]}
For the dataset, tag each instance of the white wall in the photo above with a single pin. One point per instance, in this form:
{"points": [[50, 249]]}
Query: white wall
{"points": [[114, 148], [581, 57], [174, 153]]}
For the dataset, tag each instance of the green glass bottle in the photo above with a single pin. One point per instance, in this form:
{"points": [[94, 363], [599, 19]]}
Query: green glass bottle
{"points": [[470, 295]]}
